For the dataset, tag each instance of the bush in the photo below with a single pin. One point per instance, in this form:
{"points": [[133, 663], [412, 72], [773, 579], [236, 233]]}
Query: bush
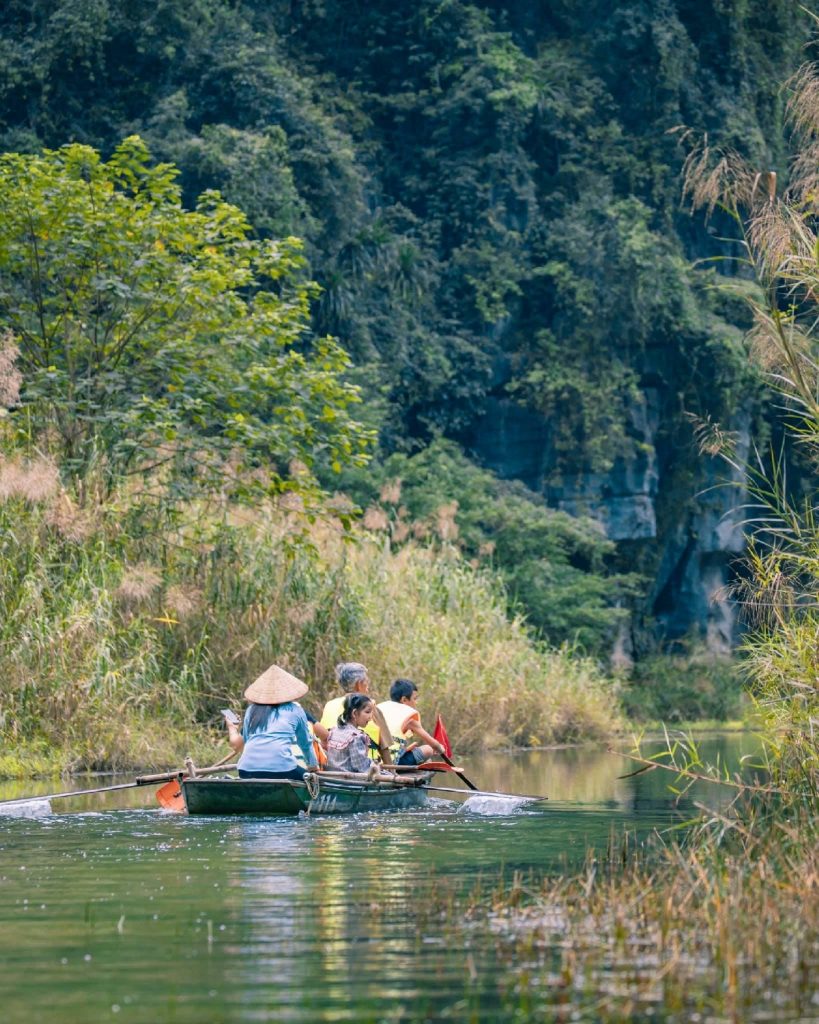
{"points": [[684, 688]]}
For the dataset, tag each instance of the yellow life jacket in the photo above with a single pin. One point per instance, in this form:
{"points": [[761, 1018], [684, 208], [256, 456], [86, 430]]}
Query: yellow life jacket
{"points": [[396, 715], [329, 719]]}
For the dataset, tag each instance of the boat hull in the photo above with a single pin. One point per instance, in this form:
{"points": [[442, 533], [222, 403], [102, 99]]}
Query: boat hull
{"points": [[283, 797]]}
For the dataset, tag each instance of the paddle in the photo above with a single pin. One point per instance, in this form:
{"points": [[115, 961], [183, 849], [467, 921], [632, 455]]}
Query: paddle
{"points": [[461, 775], [141, 780], [440, 734], [398, 781], [483, 792]]}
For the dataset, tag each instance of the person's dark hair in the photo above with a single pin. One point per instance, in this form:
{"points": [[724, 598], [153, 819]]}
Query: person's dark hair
{"points": [[258, 715], [402, 688], [353, 702]]}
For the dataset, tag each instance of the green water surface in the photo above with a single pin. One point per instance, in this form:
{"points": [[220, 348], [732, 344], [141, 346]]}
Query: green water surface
{"points": [[111, 909]]}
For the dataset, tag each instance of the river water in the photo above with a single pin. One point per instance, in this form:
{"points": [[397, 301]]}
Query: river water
{"points": [[111, 909]]}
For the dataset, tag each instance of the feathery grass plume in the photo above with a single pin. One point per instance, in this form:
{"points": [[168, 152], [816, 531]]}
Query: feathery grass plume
{"points": [[780, 240], [768, 596], [10, 376], [69, 520], [375, 518], [802, 113], [341, 504], [802, 106], [34, 481], [445, 525], [391, 492], [291, 502], [138, 583], [183, 601], [420, 529], [710, 438], [301, 615], [713, 177], [400, 531]]}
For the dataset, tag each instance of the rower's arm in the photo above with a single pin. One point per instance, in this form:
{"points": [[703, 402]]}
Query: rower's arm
{"points": [[322, 732], [384, 735], [420, 733]]}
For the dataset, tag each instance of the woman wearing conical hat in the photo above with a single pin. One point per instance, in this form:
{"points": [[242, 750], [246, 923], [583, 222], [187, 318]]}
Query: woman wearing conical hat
{"points": [[273, 722]]}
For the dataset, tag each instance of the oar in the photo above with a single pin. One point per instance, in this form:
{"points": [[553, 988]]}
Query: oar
{"points": [[141, 780], [461, 775], [483, 792], [397, 780]]}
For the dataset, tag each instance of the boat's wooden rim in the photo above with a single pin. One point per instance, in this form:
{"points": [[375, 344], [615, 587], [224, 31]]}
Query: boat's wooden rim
{"points": [[336, 779]]}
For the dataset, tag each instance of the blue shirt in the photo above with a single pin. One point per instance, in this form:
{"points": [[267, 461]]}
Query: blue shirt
{"points": [[268, 749]]}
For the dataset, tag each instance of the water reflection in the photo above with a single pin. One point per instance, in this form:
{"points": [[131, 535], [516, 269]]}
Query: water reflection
{"points": [[133, 914]]}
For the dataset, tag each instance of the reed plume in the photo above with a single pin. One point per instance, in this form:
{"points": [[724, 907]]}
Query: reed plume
{"points": [[10, 376], [138, 583]]}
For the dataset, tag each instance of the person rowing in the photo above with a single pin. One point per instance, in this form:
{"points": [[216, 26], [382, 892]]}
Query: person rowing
{"points": [[273, 723], [412, 744], [353, 677]]}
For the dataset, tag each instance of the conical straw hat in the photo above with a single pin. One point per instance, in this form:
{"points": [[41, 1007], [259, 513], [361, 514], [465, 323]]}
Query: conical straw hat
{"points": [[275, 686]]}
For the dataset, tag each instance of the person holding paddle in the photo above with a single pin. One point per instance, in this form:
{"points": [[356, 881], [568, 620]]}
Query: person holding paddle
{"points": [[412, 744], [273, 723]]}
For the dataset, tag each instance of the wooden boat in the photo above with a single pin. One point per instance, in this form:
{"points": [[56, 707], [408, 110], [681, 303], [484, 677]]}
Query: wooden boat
{"points": [[324, 793]]}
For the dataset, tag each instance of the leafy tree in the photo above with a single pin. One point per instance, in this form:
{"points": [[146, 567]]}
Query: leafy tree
{"points": [[487, 192], [151, 335]]}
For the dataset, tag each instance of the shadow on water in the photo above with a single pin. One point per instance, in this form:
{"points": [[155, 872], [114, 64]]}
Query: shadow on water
{"points": [[111, 909]]}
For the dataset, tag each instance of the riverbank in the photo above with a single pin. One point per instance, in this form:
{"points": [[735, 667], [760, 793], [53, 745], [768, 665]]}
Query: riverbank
{"points": [[119, 647]]}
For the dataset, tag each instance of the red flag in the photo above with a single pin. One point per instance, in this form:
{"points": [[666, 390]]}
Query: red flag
{"points": [[439, 732]]}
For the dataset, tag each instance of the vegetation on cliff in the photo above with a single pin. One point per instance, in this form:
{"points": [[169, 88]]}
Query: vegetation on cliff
{"points": [[723, 923], [487, 196], [163, 531]]}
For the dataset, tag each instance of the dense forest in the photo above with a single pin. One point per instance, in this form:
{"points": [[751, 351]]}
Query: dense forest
{"points": [[489, 199]]}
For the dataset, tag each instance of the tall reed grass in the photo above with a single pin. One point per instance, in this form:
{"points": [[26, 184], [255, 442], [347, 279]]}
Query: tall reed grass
{"points": [[683, 935], [118, 646]]}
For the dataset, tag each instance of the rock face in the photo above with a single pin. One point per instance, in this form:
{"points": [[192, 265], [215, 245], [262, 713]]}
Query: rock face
{"points": [[683, 533]]}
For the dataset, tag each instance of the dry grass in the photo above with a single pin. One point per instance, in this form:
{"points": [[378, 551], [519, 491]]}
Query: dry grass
{"points": [[117, 652], [706, 933]]}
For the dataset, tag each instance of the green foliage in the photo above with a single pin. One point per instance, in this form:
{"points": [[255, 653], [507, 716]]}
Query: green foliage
{"points": [[118, 652], [151, 335], [684, 688], [554, 566], [487, 192], [779, 245]]}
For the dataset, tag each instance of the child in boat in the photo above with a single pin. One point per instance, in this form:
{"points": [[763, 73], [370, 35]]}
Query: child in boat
{"points": [[412, 744], [353, 677], [348, 746]]}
